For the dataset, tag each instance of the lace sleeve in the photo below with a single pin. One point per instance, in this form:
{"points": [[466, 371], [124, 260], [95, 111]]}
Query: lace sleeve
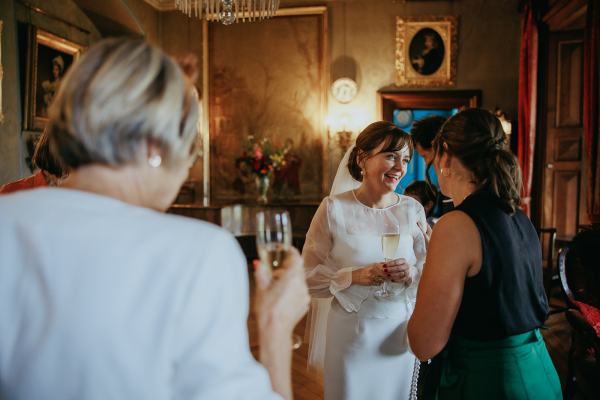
{"points": [[323, 278]]}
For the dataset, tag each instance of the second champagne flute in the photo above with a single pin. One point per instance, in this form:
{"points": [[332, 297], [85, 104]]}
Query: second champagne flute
{"points": [[273, 241]]}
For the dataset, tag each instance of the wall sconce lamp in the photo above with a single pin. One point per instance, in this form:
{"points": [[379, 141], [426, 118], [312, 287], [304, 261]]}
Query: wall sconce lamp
{"points": [[344, 136]]}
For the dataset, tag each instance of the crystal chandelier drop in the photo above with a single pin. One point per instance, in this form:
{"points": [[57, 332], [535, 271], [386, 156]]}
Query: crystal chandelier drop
{"points": [[228, 11]]}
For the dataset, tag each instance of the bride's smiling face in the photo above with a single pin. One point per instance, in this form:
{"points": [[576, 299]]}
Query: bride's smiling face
{"points": [[384, 170]]}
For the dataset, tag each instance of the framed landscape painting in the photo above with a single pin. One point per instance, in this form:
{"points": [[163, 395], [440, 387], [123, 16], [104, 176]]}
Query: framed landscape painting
{"points": [[268, 81]]}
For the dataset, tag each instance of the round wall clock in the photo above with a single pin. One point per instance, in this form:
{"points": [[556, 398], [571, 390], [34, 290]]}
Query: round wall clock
{"points": [[403, 118], [344, 90]]}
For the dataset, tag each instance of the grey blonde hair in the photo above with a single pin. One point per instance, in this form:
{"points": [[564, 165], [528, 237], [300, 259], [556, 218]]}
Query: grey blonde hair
{"points": [[122, 95]]}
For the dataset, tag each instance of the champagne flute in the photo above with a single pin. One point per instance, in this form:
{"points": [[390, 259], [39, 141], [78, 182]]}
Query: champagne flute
{"points": [[389, 245], [273, 241]]}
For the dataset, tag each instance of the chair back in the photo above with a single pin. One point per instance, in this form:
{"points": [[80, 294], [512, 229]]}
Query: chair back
{"points": [[579, 269], [548, 234]]}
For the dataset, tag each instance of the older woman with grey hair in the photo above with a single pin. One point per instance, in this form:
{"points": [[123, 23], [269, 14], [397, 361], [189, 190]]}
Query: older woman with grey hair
{"points": [[103, 296]]}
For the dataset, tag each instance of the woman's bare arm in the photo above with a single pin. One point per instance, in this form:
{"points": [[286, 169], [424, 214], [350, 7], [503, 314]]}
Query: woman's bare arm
{"points": [[454, 252]]}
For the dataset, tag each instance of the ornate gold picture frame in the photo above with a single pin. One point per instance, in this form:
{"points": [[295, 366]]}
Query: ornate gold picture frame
{"points": [[49, 59], [426, 50]]}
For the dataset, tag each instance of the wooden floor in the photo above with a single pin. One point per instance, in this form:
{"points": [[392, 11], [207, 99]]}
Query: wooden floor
{"points": [[309, 386]]}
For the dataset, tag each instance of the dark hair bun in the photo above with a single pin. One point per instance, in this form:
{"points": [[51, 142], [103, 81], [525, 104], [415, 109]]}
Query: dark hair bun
{"points": [[353, 167], [476, 138]]}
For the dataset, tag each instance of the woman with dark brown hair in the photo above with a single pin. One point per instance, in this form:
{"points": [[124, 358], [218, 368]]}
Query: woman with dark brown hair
{"points": [[51, 171], [481, 300], [358, 323]]}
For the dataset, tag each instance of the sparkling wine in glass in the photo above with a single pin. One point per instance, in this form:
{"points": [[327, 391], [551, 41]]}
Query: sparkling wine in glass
{"points": [[273, 241], [389, 246], [273, 254]]}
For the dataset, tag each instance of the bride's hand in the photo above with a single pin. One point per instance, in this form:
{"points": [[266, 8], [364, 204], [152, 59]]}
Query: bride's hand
{"points": [[374, 274], [370, 275], [397, 271]]}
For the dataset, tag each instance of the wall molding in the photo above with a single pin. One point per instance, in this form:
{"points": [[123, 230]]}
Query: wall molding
{"points": [[162, 5]]}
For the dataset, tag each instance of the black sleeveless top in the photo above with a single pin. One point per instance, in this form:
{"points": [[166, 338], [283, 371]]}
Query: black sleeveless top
{"points": [[507, 296]]}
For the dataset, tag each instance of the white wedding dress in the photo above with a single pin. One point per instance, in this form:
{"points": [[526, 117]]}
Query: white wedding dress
{"points": [[366, 354]]}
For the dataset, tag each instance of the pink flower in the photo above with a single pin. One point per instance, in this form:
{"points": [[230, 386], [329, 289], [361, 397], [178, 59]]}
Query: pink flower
{"points": [[257, 151]]}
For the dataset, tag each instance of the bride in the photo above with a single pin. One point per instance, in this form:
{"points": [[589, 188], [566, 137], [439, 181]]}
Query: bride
{"points": [[361, 302]]}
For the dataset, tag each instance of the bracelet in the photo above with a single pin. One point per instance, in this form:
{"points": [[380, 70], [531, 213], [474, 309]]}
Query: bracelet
{"points": [[377, 280]]}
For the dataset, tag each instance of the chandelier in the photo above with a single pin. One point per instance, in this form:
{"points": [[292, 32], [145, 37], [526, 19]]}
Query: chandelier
{"points": [[228, 11]]}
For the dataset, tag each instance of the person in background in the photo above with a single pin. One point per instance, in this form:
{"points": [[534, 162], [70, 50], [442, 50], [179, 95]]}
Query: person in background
{"points": [[423, 132], [361, 337], [102, 294], [425, 194], [480, 306], [51, 171]]}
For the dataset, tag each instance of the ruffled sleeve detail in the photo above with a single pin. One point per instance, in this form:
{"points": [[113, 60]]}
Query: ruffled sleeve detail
{"points": [[324, 277]]}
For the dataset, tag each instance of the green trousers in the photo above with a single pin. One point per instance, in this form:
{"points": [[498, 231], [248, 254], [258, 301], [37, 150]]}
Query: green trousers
{"points": [[517, 367]]}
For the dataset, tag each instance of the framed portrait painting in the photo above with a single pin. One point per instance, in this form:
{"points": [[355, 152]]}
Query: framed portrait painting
{"points": [[426, 51], [49, 58]]}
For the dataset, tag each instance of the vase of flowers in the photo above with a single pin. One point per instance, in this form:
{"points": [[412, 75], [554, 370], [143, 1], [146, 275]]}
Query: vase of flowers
{"points": [[261, 158], [262, 187]]}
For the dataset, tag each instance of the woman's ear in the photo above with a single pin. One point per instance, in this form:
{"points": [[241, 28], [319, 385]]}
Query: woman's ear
{"points": [[442, 161]]}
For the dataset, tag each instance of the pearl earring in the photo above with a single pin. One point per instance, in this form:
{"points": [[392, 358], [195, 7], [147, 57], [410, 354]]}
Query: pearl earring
{"points": [[445, 172], [155, 160]]}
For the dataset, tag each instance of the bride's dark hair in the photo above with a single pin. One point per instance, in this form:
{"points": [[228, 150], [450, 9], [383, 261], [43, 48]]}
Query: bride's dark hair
{"points": [[392, 137]]}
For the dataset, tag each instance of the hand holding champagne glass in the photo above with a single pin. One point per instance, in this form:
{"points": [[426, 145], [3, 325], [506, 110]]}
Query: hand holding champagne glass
{"points": [[273, 243]]}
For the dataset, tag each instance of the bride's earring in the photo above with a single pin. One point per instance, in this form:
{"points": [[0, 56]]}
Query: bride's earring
{"points": [[445, 172]]}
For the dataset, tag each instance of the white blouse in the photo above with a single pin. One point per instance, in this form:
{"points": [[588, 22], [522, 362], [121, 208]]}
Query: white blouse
{"points": [[345, 235], [103, 300]]}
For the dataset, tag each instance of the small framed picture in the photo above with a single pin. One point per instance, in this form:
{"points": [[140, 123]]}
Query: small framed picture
{"points": [[426, 51], [50, 57]]}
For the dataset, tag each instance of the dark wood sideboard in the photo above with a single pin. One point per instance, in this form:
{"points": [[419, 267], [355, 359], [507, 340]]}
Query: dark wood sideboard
{"points": [[239, 219]]}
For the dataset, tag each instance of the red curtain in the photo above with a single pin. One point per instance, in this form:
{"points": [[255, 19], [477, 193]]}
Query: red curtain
{"points": [[591, 109], [528, 68]]}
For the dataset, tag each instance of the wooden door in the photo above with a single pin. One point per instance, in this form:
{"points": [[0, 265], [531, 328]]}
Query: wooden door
{"points": [[562, 181]]}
